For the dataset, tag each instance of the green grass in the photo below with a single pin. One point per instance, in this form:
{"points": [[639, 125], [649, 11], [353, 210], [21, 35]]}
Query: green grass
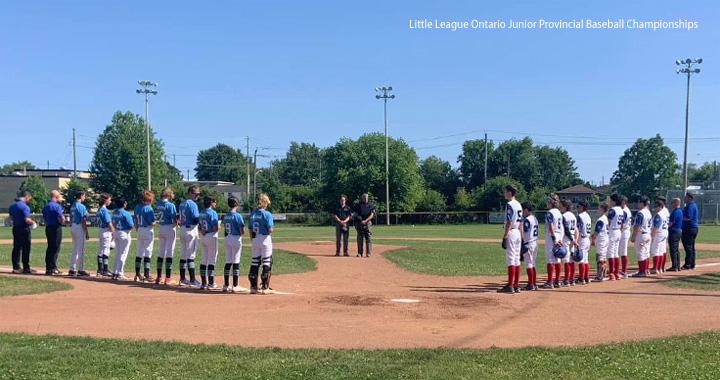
{"points": [[706, 281], [14, 285], [283, 261], [473, 259], [707, 233], [52, 357]]}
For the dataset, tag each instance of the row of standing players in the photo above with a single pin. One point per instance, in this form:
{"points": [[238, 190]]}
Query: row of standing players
{"points": [[194, 226], [568, 239]]}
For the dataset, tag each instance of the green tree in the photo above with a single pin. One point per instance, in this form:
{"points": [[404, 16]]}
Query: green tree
{"points": [[537, 197], [13, 166], [68, 194], [704, 174], [297, 180], [432, 201], [555, 169], [492, 197], [353, 167], [119, 161], [439, 176], [517, 156], [275, 189], [221, 163], [462, 200], [648, 167], [472, 162], [40, 193]]}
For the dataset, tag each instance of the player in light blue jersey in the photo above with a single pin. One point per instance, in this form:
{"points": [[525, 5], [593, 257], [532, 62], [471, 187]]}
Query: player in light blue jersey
{"points": [[167, 217], [234, 229], [189, 219], [105, 235], [123, 223], [209, 226], [144, 223], [78, 214], [262, 225]]}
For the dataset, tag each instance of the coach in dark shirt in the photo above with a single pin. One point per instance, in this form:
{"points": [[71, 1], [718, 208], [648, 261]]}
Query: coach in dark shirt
{"points": [[689, 230], [364, 213], [53, 216], [675, 227], [342, 226], [22, 223]]}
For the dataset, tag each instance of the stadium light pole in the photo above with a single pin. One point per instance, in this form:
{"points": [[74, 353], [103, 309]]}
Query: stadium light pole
{"points": [[385, 96], [688, 70], [148, 88], [255, 182]]}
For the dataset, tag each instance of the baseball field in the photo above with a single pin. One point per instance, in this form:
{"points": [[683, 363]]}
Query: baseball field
{"points": [[339, 317]]}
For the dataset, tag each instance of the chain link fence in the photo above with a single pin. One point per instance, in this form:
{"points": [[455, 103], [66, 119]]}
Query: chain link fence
{"points": [[708, 202]]}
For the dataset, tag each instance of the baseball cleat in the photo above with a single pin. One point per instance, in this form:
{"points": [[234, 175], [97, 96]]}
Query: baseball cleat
{"points": [[123, 277], [557, 284], [640, 274], [17, 271], [148, 279], [169, 281], [82, 273], [267, 291], [195, 284], [547, 285], [225, 289], [239, 289], [184, 282], [159, 281], [516, 289], [137, 278], [506, 289], [359, 255], [253, 290], [653, 271], [106, 274], [212, 287], [530, 287], [623, 275], [70, 273]]}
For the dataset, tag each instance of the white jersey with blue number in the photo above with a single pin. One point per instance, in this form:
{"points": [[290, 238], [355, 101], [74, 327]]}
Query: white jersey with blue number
{"points": [[584, 224], [554, 217], [513, 214], [643, 220], [530, 229]]}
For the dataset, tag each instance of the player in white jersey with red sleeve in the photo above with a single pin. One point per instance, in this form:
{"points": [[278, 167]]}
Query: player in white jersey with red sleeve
{"points": [[624, 236], [553, 236], [530, 244], [641, 236], [616, 223], [659, 237], [512, 240], [584, 227], [569, 240], [601, 240]]}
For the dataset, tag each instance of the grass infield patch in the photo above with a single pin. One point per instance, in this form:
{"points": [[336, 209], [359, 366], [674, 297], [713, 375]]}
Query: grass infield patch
{"points": [[706, 281], [16, 285], [53, 357]]}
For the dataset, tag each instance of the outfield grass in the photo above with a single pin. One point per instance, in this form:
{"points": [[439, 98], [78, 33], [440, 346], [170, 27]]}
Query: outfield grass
{"points": [[473, 259], [283, 261], [53, 357], [706, 281], [14, 285]]}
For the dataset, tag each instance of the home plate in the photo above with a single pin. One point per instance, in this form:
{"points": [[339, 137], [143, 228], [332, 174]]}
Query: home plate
{"points": [[404, 300]]}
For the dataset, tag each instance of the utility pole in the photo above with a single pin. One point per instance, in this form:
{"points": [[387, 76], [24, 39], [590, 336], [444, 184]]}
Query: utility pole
{"points": [[174, 160], [486, 142], [147, 91], [74, 156], [508, 171], [688, 70], [385, 98], [247, 162]]}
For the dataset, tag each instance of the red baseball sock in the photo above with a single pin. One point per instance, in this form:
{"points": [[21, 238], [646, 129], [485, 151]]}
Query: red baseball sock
{"points": [[647, 264], [517, 275], [617, 267], [529, 274], [611, 267], [642, 266], [557, 272], [623, 260], [656, 262], [663, 260], [550, 268], [572, 271], [511, 276]]}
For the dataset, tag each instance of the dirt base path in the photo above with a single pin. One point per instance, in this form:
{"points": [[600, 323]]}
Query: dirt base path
{"points": [[347, 303]]}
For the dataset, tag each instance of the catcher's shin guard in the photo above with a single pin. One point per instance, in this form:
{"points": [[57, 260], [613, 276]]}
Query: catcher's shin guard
{"points": [[267, 268], [253, 274]]}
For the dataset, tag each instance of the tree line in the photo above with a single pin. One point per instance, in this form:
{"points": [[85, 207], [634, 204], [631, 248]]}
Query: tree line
{"points": [[311, 178]]}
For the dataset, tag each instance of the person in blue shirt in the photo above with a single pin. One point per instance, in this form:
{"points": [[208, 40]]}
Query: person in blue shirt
{"points": [[675, 227], [54, 219], [167, 217], [262, 225], [144, 223], [209, 226], [105, 235], [689, 230], [189, 219], [122, 225], [79, 231], [22, 224], [234, 229]]}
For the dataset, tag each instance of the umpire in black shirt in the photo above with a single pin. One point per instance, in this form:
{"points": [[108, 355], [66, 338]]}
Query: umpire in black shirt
{"points": [[364, 213], [342, 225]]}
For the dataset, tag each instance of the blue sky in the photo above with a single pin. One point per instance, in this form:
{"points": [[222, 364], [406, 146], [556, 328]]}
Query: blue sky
{"points": [[305, 71]]}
